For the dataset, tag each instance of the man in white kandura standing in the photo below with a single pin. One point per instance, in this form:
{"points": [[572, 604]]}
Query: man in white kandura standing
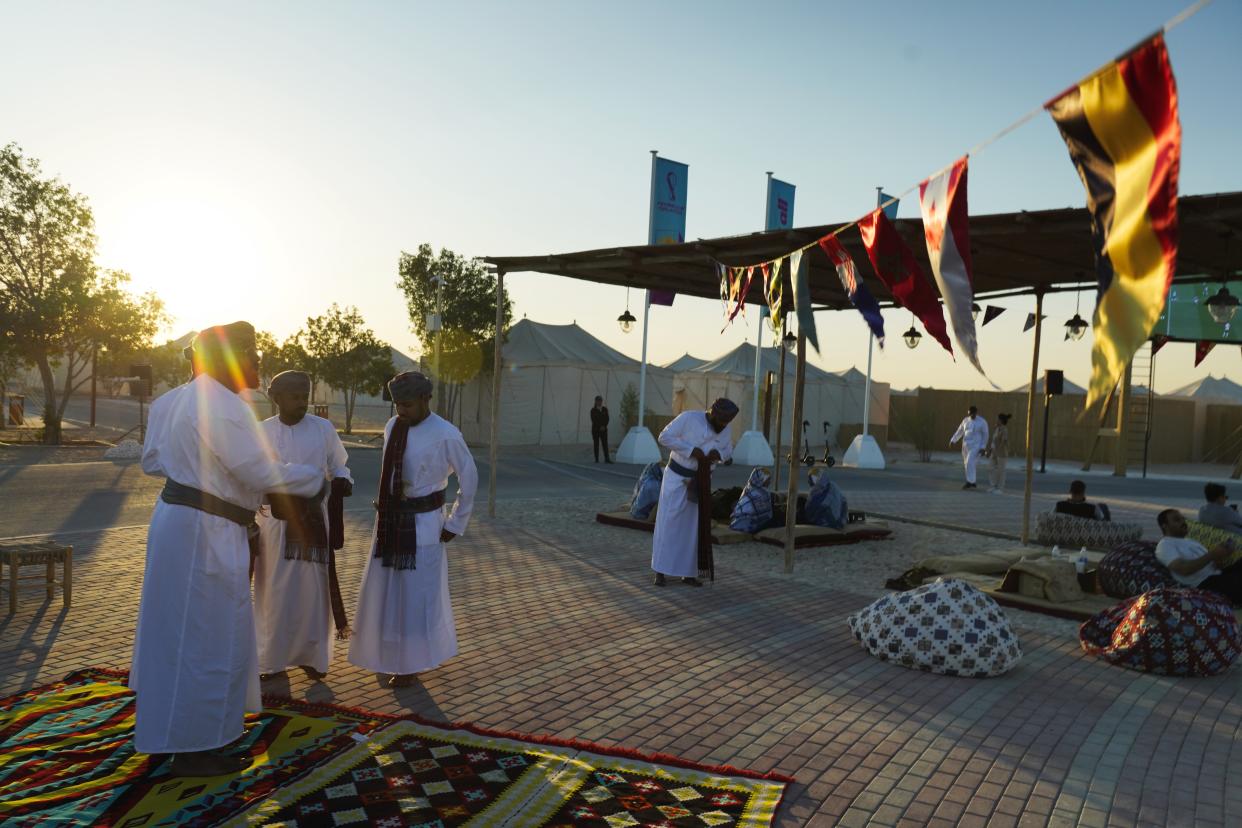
{"points": [[296, 593], [696, 440], [973, 435], [404, 622], [195, 667]]}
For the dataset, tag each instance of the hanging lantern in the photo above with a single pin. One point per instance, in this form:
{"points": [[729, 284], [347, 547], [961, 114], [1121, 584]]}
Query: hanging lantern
{"points": [[789, 340], [974, 311], [626, 321], [1075, 327], [1222, 305], [912, 337]]}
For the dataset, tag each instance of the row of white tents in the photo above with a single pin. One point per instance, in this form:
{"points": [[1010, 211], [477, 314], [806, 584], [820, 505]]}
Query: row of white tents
{"points": [[552, 374]]}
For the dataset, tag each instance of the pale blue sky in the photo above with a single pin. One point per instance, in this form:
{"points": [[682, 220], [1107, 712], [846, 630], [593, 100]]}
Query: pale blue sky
{"points": [[283, 154]]}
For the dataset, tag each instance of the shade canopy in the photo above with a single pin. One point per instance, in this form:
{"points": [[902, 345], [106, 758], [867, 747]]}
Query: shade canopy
{"points": [[1012, 253]]}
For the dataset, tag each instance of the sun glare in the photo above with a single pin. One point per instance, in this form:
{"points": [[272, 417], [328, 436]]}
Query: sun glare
{"points": [[200, 256]]}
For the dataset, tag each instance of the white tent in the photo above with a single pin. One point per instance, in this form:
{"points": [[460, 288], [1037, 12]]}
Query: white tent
{"points": [[551, 375], [836, 398]]}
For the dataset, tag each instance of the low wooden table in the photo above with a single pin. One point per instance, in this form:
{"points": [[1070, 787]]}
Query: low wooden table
{"points": [[47, 553]]}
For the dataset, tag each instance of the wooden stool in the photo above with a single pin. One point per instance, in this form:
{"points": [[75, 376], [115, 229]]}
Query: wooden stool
{"points": [[30, 554]]}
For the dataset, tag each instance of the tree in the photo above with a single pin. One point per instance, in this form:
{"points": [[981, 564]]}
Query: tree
{"points": [[468, 311], [347, 356], [287, 356], [58, 307]]}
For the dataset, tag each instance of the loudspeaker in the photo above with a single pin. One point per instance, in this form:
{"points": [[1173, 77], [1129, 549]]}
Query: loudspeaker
{"points": [[142, 387], [1054, 382]]}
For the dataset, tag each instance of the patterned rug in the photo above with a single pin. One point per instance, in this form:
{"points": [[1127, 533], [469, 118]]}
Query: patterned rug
{"points": [[66, 758]]}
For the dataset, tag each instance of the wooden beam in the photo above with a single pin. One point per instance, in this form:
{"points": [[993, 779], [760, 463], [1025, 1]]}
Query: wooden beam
{"points": [[1030, 417], [791, 503]]}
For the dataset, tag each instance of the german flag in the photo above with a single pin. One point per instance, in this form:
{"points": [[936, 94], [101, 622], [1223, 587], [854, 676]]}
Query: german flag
{"points": [[1123, 134]]}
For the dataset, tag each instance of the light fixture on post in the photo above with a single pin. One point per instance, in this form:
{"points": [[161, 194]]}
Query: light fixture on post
{"points": [[789, 340], [1075, 326], [627, 319], [912, 337], [1222, 305]]}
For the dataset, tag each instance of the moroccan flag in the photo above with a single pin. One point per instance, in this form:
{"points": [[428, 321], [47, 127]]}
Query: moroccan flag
{"points": [[1123, 134], [860, 297], [897, 268], [942, 199]]}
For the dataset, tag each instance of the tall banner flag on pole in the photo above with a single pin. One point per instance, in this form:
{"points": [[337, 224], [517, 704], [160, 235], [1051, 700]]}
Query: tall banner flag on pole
{"points": [[1122, 130], [668, 202], [890, 209], [896, 267], [942, 199], [780, 210], [860, 297]]}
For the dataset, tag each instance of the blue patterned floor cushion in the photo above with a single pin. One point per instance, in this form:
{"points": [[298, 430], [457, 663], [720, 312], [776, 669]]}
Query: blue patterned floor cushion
{"points": [[1072, 532], [1131, 569], [646, 491], [1173, 632], [753, 511], [947, 627]]}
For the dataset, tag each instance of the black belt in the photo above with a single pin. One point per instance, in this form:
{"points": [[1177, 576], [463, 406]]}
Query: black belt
{"points": [[178, 494], [426, 503], [676, 467]]}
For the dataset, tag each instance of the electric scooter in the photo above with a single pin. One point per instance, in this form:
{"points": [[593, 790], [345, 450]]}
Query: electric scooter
{"points": [[829, 460], [807, 458]]}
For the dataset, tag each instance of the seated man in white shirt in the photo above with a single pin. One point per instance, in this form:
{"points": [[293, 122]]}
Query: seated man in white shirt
{"points": [[1192, 565]]}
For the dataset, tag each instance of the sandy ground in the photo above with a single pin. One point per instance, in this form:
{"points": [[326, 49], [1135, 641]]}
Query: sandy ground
{"points": [[860, 568]]}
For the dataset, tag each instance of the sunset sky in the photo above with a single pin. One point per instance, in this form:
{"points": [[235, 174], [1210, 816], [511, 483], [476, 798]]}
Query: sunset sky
{"points": [[263, 161]]}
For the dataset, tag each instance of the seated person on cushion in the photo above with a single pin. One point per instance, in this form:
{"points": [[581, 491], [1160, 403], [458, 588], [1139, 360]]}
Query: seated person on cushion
{"points": [[1194, 566], [1216, 513], [1078, 506]]}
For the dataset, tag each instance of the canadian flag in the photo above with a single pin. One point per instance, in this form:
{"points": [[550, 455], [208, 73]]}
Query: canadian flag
{"points": [[946, 227]]}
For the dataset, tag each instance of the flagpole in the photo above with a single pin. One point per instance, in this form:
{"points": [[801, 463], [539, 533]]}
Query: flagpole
{"points": [[752, 447], [864, 452], [639, 446]]}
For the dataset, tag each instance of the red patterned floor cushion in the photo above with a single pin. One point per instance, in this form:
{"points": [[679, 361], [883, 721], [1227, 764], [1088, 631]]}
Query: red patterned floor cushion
{"points": [[1131, 569], [948, 627], [1173, 632]]}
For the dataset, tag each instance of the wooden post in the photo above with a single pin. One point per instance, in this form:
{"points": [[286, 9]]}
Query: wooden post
{"points": [[791, 505], [1121, 454], [1030, 417], [493, 448], [780, 412]]}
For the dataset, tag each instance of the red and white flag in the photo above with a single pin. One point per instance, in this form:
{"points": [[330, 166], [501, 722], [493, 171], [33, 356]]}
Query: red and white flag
{"points": [[946, 227]]}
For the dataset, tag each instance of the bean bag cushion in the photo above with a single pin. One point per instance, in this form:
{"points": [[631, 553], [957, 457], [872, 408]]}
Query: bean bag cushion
{"points": [[753, 512], [1132, 569], [646, 492], [948, 627], [1173, 632], [1074, 532]]}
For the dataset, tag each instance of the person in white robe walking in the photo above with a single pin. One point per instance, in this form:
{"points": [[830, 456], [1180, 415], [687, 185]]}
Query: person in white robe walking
{"points": [[973, 435], [404, 621], [292, 576], [195, 667], [692, 438]]}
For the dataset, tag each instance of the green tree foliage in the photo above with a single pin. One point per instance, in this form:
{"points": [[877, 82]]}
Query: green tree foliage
{"points": [[347, 356], [57, 305], [468, 311], [289, 355]]}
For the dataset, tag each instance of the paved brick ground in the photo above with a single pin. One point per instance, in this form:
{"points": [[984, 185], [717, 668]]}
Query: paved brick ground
{"points": [[754, 671]]}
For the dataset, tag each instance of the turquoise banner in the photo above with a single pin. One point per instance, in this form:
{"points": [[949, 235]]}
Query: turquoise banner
{"points": [[780, 205], [669, 180]]}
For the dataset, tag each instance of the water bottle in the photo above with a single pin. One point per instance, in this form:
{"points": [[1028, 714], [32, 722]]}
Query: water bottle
{"points": [[1081, 563], [1056, 552]]}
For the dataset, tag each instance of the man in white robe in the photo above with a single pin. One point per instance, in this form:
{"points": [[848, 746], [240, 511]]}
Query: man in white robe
{"points": [[195, 666], [157, 426], [404, 621], [973, 435], [292, 587], [692, 438]]}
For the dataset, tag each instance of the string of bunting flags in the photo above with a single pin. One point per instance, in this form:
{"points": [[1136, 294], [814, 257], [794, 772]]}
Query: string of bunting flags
{"points": [[1121, 128]]}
